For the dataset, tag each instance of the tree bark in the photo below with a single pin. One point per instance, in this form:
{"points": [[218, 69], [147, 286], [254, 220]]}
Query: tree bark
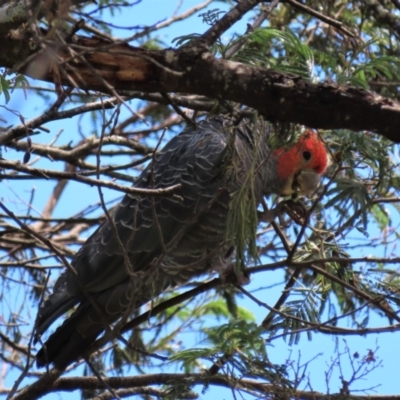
{"points": [[92, 63]]}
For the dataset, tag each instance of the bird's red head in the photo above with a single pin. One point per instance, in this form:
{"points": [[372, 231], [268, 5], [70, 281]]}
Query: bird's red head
{"points": [[307, 156]]}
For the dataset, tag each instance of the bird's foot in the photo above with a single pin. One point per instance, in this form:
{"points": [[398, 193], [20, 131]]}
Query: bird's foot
{"points": [[296, 210]]}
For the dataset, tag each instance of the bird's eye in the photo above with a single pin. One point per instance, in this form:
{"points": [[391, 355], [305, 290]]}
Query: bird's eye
{"points": [[306, 155]]}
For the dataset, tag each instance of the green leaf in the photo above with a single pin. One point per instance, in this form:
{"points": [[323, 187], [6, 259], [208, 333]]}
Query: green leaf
{"points": [[4, 88]]}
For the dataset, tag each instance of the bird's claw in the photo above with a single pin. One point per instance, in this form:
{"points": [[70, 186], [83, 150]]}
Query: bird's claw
{"points": [[296, 210]]}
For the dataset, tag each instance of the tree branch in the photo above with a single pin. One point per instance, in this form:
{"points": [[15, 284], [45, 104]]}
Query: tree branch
{"points": [[277, 96], [71, 384], [44, 173], [231, 17]]}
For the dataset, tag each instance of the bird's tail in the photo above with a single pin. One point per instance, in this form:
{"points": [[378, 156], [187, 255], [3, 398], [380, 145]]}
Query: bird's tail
{"points": [[67, 344]]}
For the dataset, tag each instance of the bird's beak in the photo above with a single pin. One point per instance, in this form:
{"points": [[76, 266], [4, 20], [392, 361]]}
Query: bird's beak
{"points": [[306, 182], [303, 183]]}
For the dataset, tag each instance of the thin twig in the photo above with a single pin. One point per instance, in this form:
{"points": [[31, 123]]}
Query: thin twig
{"points": [[257, 23], [44, 173], [330, 21], [223, 24]]}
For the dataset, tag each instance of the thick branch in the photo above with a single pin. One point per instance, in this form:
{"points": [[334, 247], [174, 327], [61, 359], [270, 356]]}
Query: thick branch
{"points": [[192, 70], [71, 384]]}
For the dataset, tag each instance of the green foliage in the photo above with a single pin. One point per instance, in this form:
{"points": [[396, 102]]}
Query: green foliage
{"points": [[350, 198], [361, 66], [242, 348], [284, 51], [295, 311], [386, 66], [185, 39], [281, 50], [242, 217], [5, 88]]}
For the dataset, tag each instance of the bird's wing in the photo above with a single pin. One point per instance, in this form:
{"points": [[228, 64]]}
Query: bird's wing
{"points": [[189, 159]]}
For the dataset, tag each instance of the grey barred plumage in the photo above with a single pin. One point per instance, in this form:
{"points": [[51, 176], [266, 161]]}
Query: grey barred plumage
{"points": [[167, 240]]}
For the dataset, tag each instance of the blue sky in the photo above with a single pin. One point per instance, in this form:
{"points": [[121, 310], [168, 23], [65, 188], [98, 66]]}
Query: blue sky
{"points": [[148, 13]]}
